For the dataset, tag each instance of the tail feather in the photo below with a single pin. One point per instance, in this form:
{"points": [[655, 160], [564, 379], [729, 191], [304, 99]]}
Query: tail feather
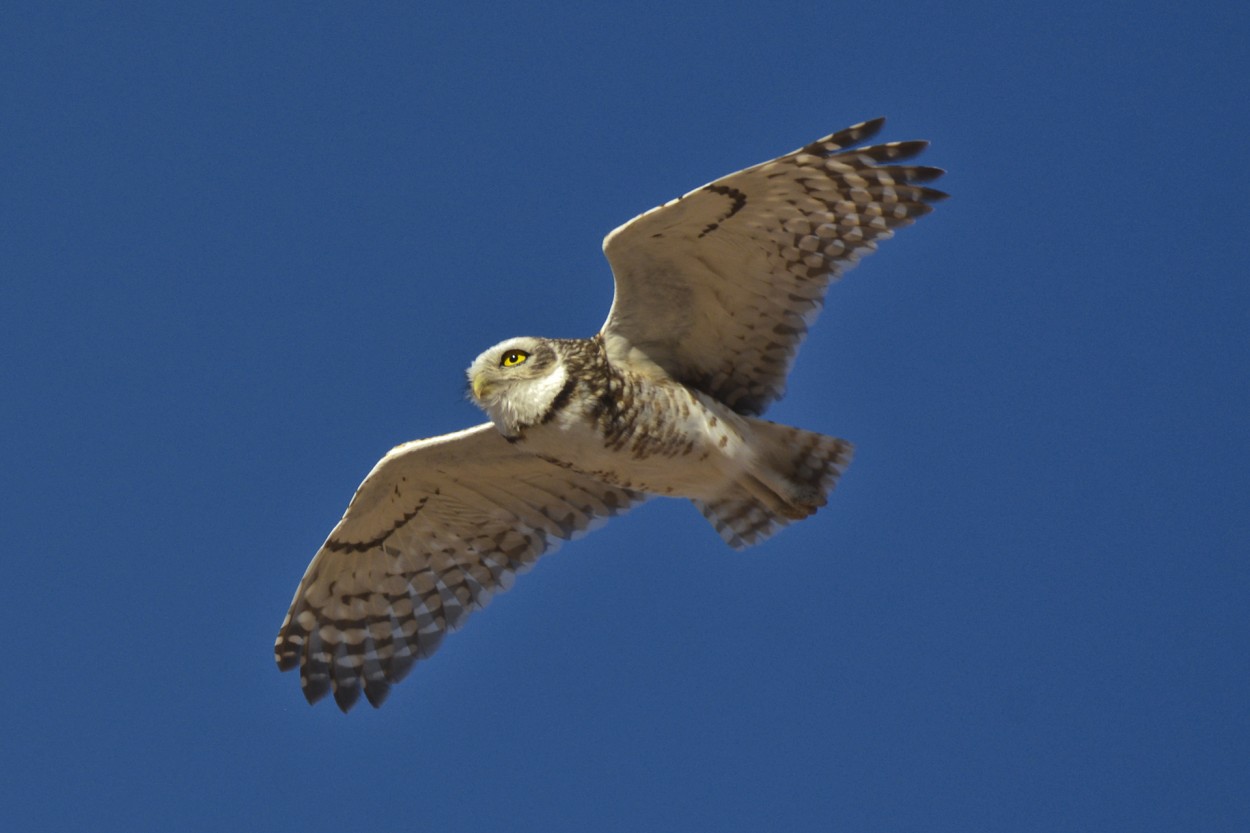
{"points": [[794, 473]]}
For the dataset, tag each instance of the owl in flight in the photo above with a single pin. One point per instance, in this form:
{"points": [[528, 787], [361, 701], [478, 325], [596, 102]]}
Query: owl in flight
{"points": [[714, 293]]}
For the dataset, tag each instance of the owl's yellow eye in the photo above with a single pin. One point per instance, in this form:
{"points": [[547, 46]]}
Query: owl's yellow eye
{"points": [[513, 357]]}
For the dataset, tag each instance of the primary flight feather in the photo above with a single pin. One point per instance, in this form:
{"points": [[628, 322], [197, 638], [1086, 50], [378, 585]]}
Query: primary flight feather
{"points": [[714, 292]]}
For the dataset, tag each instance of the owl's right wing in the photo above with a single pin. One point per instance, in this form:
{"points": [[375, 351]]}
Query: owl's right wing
{"points": [[435, 529], [719, 287]]}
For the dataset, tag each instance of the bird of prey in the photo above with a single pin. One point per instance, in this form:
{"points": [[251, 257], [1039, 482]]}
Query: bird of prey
{"points": [[714, 293]]}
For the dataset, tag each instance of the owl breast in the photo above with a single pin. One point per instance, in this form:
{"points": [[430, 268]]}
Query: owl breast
{"points": [[646, 435]]}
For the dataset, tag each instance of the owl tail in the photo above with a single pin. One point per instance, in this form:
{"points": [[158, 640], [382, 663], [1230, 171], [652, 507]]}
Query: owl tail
{"points": [[794, 473]]}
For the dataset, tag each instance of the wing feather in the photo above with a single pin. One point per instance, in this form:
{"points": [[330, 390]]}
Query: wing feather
{"points": [[436, 529], [718, 287]]}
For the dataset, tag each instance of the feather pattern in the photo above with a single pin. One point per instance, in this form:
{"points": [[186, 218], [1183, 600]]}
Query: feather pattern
{"points": [[434, 531], [718, 287]]}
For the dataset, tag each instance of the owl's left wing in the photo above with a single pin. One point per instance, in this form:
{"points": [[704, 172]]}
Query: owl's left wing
{"points": [[718, 287], [435, 529]]}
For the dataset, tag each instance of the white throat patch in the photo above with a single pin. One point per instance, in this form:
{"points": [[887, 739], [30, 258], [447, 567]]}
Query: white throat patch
{"points": [[525, 402]]}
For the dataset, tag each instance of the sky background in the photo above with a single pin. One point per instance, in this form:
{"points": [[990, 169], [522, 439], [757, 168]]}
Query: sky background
{"points": [[247, 248]]}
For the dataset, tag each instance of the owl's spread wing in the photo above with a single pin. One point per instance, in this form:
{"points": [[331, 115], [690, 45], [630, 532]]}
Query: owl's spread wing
{"points": [[719, 286], [436, 528]]}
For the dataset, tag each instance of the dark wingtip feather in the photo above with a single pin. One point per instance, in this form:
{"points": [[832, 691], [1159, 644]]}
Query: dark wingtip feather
{"points": [[287, 649], [401, 664], [892, 151], [314, 687], [289, 644], [844, 138], [867, 129], [346, 695], [376, 692], [909, 174]]}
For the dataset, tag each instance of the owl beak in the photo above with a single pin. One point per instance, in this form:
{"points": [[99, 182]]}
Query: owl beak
{"points": [[479, 385]]}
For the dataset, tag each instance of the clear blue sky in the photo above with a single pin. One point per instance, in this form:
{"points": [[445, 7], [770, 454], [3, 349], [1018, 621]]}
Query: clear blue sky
{"points": [[246, 248]]}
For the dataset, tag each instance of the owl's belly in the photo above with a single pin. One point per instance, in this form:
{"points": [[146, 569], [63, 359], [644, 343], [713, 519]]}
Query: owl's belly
{"points": [[681, 444]]}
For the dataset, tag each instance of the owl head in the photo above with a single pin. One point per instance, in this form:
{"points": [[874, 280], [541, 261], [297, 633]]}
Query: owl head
{"points": [[517, 381]]}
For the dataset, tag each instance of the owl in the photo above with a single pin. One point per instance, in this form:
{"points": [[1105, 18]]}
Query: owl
{"points": [[714, 293]]}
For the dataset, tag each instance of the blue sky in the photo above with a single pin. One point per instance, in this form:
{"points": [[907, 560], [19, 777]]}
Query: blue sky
{"points": [[246, 249]]}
